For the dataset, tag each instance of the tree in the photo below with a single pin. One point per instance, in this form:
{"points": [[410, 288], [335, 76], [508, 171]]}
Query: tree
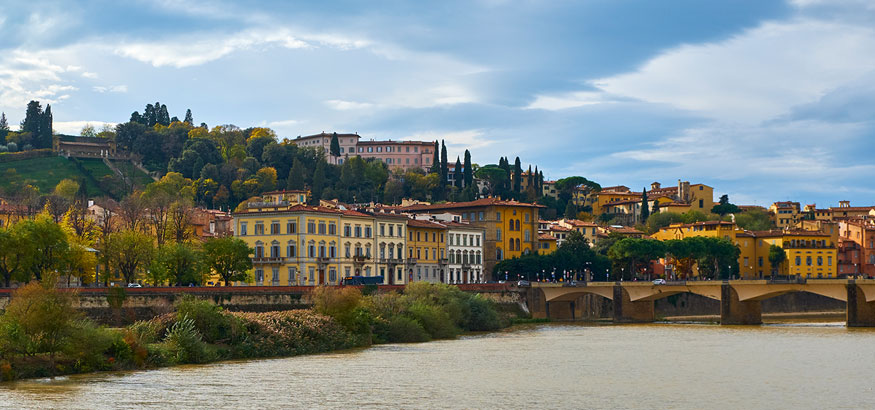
{"points": [[48, 243], [15, 254], [468, 173], [188, 118], [129, 252], [754, 220], [44, 138], [436, 160], [40, 319], [458, 174], [645, 208], [180, 263], [4, 127], [295, 179], [67, 189], [517, 175], [334, 149], [318, 183], [393, 192], [655, 209], [777, 256], [229, 258], [494, 177], [444, 164], [32, 118], [88, 131], [570, 210], [724, 207]]}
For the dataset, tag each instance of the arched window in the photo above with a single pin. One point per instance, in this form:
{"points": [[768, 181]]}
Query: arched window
{"points": [[478, 258], [259, 249], [322, 250], [332, 249], [465, 257], [275, 249], [291, 252], [311, 249], [498, 253], [517, 244]]}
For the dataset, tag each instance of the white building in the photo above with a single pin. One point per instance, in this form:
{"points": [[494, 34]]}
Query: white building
{"points": [[348, 143], [464, 245]]}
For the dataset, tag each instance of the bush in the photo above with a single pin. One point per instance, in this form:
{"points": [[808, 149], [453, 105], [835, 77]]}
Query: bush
{"points": [[145, 331], [434, 320], [400, 329], [38, 319], [209, 319], [346, 306], [483, 315], [90, 345], [185, 343]]}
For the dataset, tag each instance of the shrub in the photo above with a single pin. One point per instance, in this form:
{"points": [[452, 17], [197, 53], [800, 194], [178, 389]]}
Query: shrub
{"points": [[346, 306], [90, 345], [159, 354], [434, 320], [145, 331], [38, 319], [209, 319], [400, 329], [483, 315], [185, 342]]}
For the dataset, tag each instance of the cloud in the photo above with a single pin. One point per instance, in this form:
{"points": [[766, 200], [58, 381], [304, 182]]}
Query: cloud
{"points": [[347, 105], [75, 127], [460, 140], [197, 49], [755, 75], [90, 75], [111, 89]]}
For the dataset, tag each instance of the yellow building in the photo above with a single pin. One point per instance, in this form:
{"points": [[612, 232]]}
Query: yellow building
{"points": [[547, 243], [785, 214], [426, 251], [511, 227], [699, 197], [589, 230], [357, 244], [295, 245]]}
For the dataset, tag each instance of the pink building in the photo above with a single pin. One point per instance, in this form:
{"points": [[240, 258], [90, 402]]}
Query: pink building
{"points": [[347, 142], [398, 154]]}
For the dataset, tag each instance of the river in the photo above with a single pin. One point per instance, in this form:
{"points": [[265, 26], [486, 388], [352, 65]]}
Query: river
{"points": [[679, 366]]}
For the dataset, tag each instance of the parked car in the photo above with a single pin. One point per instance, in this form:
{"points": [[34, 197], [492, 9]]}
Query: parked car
{"points": [[523, 283], [134, 285], [659, 281]]}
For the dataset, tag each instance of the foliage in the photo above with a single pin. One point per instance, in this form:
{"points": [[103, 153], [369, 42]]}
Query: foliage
{"points": [[209, 319], [777, 256], [130, 252], [724, 207], [229, 258], [185, 343], [38, 319], [754, 220], [180, 263]]}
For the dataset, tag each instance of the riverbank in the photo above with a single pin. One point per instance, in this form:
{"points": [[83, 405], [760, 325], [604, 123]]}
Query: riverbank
{"points": [[199, 331]]}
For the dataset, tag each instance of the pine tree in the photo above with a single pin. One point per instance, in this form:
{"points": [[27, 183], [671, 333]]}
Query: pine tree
{"points": [[296, 176], [188, 118], [334, 149], [444, 164], [468, 172], [318, 183], [517, 175], [457, 174], [645, 210]]}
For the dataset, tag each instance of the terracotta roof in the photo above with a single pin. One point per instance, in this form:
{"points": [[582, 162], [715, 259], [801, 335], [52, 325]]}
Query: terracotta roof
{"points": [[326, 135], [546, 237], [578, 222], [559, 228], [779, 233], [628, 201], [390, 142], [675, 204], [417, 223], [624, 229], [286, 191], [851, 208], [471, 204]]}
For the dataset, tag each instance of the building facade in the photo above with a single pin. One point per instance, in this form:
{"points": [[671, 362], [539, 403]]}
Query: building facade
{"points": [[322, 140]]}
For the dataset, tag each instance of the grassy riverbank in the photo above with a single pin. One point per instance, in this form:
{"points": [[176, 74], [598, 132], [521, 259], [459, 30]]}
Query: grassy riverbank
{"points": [[41, 335]]}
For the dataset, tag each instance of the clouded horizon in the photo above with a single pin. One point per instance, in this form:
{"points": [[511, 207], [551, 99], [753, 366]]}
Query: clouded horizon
{"points": [[763, 100]]}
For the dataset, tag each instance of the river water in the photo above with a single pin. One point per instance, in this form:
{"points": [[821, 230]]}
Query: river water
{"points": [[679, 366]]}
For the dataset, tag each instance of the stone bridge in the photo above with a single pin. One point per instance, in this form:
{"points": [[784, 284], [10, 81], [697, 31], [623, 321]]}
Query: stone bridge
{"points": [[739, 299]]}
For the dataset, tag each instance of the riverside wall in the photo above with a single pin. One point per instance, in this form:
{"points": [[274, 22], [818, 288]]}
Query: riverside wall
{"points": [[122, 306]]}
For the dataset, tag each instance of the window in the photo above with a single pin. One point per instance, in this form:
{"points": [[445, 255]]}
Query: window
{"points": [[291, 227], [526, 217], [312, 274], [382, 230], [820, 261], [311, 227], [292, 279], [701, 203], [311, 250], [332, 275], [498, 253], [498, 216], [321, 228], [760, 261], [498, 234], [367, 232], [798, 260], [259, 276], [358, 231], [528, 235], [418, 236], [259, 250], [347, 230], [243, 229], [745, 261], [290, 250], [808, 260], [259, 228], [391, 233], [275, 277], [478, 240], [332, 228], [275, 227], [480, 216], [400, 232]]}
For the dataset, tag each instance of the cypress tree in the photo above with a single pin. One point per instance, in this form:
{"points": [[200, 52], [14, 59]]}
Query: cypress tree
{"points": [[334, 149], [444, 164], [188, 118], [163, 117], [45, 132], [655, 209], [4, 128], [570, 210], [436, 161], [517, 175], [538, 188], [136, 117], [296, 176], [32, 119], [645, 210], [318, 183], [149, 116], [468, 172], [458, 176]]}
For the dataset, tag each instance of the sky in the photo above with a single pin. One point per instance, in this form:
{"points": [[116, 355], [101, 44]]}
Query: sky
{"points": [[763, 100]]}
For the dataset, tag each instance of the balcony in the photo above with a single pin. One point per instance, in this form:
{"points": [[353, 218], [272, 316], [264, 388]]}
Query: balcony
{"points": [[323, 260], [411, 261], [466, 267], [359, 259], [444, 261], [391, 261], [264, 260]]}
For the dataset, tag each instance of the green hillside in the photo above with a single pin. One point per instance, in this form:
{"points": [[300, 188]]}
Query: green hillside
{"points": [[45, 173]]}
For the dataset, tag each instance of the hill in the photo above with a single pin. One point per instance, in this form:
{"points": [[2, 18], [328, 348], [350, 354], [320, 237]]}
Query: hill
{"points": [[44, 173]]}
